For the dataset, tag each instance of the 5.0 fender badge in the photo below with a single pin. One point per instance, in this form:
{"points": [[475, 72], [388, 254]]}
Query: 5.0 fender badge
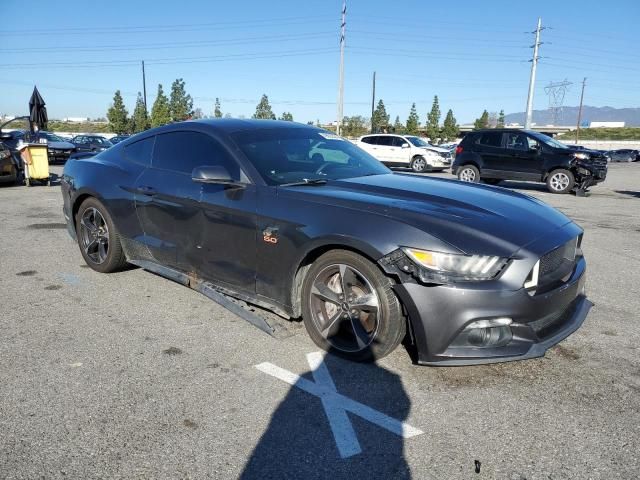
{"points": [[270, 235]]}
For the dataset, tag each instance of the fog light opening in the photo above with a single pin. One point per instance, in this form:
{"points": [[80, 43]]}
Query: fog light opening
{"points": [[486, 333]]}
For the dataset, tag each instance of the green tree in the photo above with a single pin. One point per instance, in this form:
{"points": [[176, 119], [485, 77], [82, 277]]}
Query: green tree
{"points": [[180, 103], [216, 109], [398, 127], [160, 113], [500, 123], [482, 122], [263, 109], [117, 115], [450, 129], [139, 119], [413, 121], [354, 126], [380, 118], [433, 120], [288, 117]]}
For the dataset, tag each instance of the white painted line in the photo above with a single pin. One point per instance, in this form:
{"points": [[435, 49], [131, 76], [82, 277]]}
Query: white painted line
{"points": [[337, 405]]}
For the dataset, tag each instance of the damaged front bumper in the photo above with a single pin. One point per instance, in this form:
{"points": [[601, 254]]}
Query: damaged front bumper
{"points": [[500, 320]]}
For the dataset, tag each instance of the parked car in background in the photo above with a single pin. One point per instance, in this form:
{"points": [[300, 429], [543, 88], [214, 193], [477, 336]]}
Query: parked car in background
{"points": [[514, 154], [118, 139], [405, 151], [58, 149], [8, 167], [624, 155], [301, 221], [91, 143]]}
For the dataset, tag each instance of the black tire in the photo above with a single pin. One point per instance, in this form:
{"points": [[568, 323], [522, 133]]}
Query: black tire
{"points": [[419, 164], [469, 173], [114, 258], [379, 334], [560, 181], [491, 181]]}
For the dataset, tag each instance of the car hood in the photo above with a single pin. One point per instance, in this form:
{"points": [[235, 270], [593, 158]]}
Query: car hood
{"points": [[437, 149], [61, 145], [471, 218]]}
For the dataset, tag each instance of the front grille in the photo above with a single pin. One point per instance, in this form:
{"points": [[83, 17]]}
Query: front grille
{"points": [[558, 263]]}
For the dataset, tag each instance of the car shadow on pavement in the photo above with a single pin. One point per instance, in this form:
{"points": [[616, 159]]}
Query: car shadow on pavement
{"points": [[631, 193], [299, 443]]}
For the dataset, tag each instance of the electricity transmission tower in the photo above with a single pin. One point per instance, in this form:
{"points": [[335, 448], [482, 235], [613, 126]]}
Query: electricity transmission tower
{"points": [[556, 91]]}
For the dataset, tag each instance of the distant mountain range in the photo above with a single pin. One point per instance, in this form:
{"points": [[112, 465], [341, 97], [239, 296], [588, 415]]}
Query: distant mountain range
{"points": [[631, 116]]}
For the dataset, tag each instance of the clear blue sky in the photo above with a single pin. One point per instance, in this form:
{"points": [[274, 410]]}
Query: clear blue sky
{"points": [[472, 54]]}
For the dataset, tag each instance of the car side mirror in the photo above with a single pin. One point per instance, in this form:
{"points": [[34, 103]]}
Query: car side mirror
{"points": [[213, 174], [405, 145]]}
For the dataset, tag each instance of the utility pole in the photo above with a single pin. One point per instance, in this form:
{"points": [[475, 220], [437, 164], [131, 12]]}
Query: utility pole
{"points": [[532, 79], [341, 78], [373, 101], [584, 82], [144, 87]]}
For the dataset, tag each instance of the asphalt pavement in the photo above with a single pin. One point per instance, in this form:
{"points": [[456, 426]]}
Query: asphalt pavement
{"points": [[129, 375]]}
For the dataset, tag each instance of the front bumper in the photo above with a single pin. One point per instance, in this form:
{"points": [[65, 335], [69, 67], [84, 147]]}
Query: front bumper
{"points": [[438, 315], [59, 155]]}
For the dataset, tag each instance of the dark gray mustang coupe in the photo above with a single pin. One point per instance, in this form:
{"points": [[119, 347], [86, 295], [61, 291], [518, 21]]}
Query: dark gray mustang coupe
{"points": [[300, 221]]}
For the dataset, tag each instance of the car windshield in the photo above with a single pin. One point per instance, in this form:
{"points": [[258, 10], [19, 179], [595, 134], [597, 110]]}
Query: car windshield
{"points": [[548, 140], [289, 155], [53, 138], [417, 142]]}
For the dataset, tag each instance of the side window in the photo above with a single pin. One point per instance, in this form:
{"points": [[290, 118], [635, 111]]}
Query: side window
{"points": [[369, 140], [516, 141], [399, 141], [532, 143], [385, 141], [491, 139], [140, 151], [183, 151]]}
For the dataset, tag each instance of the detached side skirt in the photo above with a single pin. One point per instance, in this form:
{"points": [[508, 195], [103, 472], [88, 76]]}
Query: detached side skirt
{"points": [[267, 322]]}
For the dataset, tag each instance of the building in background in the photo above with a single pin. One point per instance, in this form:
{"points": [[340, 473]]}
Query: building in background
{"points": [[606, 124]]}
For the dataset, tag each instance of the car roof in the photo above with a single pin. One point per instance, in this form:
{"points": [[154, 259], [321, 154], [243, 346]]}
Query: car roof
{"points": [[388, 135]]}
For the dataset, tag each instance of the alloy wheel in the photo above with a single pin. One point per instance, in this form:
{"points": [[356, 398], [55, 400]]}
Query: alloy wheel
{"points": [[344, 308], [559, 181], [468, 175], [94, 235], [419, 164]]}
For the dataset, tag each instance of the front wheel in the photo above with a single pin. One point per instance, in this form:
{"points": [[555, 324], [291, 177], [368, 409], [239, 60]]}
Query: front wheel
{"points": [[469, 173], [560, 181], [418, 164], [349, 307]]}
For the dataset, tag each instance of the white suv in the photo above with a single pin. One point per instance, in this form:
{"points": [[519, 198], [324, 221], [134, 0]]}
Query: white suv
{"points": [[406, 151]]}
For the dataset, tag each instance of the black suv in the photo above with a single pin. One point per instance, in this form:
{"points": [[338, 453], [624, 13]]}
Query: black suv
{"points": [[515, 154]]}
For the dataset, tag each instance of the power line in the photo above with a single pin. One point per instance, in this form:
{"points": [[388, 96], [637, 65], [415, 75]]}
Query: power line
{"points": [[171, 60], [167, 27], [198, 43]]}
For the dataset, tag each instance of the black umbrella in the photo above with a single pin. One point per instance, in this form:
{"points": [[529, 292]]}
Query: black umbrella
{"points": [[37, 110]]}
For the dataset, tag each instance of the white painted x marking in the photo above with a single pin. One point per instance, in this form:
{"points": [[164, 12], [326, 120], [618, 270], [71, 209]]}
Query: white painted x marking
{"points": [[337, 405]]}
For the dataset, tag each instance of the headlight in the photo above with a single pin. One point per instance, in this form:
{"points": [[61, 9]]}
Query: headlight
{"points": [[581, 156], [439, 267]]}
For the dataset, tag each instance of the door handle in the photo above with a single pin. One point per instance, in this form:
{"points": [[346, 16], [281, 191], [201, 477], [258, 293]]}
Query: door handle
{"points": [[147, 190]]}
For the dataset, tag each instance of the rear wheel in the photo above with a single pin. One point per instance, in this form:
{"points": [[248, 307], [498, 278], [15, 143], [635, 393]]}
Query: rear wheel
{"points": [[98, 237], [469, 173], [419, 164], [560, 181], [349, 307]]}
